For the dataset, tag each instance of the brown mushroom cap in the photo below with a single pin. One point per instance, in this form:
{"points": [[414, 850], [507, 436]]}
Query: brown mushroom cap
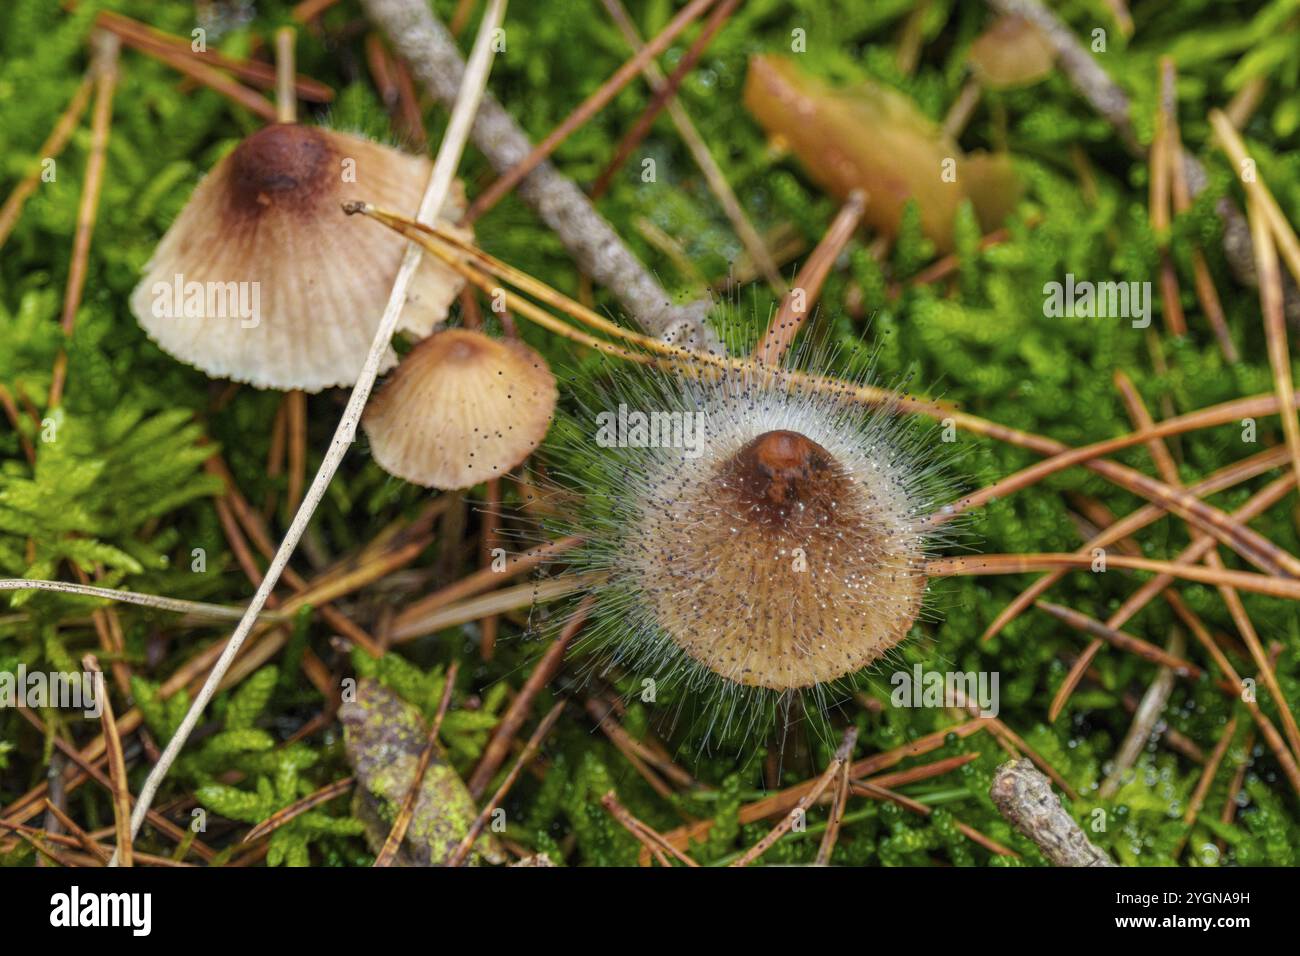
{"points": [[262, 279], [1011, 53], [461, 408], [780, 567]]}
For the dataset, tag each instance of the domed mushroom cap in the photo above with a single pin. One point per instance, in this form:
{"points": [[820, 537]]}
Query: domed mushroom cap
{"points": [[263, 280], [782, 566], [1011, 53], [461, 408]]}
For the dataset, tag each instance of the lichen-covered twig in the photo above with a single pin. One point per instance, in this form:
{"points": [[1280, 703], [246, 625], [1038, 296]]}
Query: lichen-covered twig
{"points": [[423, 41], [1024, 796]]}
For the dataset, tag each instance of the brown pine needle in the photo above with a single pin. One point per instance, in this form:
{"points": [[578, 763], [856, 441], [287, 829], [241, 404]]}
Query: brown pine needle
{"points": [[801, 298], [1125, 642], [662, 96], [1266, 727], [1251, 545], [1024, 563], [75, 829], [649, 837], [1203, 546], [15, 418], [1229, 140], [36, 839], [296, 418], [104, 68], [34, 800], [236, 92], [490, 540], [1220, 480], [1206, 293], [146, 38], [524, 759], [50, 149], [603, 715], [1204, 783], [1159, 203], [877, 792], [498, 746], [403, 820], [116, 762], [832, 831], [754, 243], [477, 583], [588, 108], [842, 755], [1270, 296], [783, 800]]}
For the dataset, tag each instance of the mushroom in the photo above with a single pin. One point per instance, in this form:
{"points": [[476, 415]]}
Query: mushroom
{"points": [[874, 138], [462, 408], [261, 279], [1011, 53]]}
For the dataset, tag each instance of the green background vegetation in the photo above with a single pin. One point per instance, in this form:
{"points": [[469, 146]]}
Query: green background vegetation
{"points": [[123, 487]]}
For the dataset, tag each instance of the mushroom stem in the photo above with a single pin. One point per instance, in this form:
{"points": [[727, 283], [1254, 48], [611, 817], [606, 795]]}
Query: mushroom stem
{"points": [[467, 101]]}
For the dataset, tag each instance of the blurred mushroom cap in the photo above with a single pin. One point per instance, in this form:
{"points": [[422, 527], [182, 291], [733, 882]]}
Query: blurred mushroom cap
{"points": [[262, 278], [874, 138], [1011, 53], [460, 409]]}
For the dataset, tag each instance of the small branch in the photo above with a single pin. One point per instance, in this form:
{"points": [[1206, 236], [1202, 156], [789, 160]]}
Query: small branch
{"points": [[1024, 796]]}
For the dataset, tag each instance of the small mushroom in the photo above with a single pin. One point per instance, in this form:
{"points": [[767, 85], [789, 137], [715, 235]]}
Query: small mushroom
{"points": [[461, 408], [263, 280], [1010, 54]]}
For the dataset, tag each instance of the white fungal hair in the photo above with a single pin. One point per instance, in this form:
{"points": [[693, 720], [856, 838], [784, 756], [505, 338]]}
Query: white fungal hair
{"points": [[772, 554]]}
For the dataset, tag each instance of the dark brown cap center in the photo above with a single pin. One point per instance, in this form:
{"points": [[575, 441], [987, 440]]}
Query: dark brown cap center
{"points": [[781, 472], [283, 165]]}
